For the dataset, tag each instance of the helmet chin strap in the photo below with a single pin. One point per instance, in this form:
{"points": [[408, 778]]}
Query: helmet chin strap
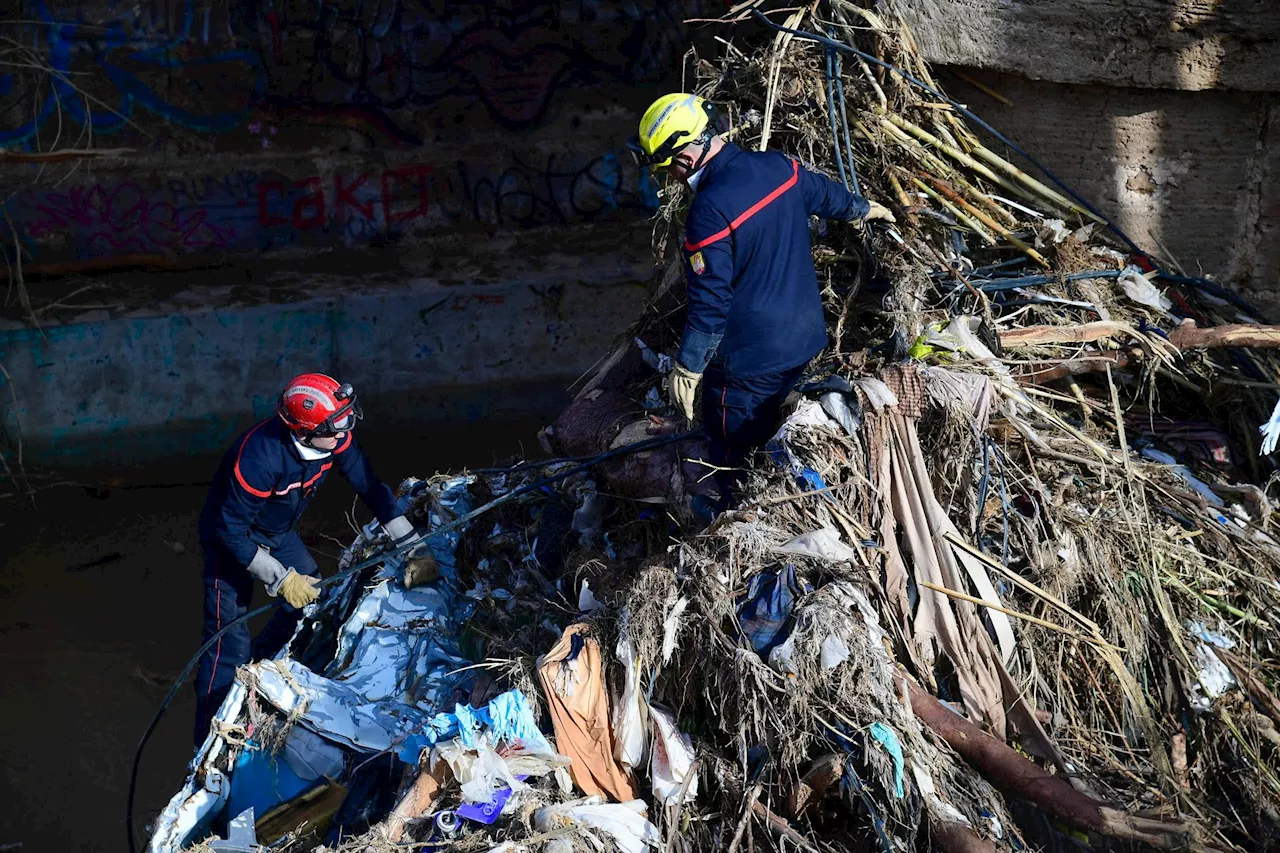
{"points": [[706, 150]]}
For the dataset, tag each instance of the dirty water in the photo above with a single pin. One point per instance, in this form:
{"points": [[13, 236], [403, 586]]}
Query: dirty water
{"points": [[100, 609]]}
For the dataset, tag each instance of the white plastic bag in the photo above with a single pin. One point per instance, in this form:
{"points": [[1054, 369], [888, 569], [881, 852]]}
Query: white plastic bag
{"points": [[629, 726], [1139, 288], [480, 771], [823, 544], [671, 760], [625, 822]]}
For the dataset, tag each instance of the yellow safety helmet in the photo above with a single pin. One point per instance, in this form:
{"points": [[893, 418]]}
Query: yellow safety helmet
{"points": [[671, 122]]}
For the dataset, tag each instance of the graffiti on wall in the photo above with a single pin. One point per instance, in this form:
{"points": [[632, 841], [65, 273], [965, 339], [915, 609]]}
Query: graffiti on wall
{"points": [[209, 67], [258, 211]]}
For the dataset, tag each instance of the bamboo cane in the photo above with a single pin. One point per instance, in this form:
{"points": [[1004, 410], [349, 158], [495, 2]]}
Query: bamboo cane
{"points": [[960, 200], [901, 124], [943, 168], [956, 212], [1034, 185]]}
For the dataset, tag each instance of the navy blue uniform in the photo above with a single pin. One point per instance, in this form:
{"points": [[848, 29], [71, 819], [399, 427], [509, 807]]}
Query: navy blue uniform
{"points": [[755, 310], [259, 492]]}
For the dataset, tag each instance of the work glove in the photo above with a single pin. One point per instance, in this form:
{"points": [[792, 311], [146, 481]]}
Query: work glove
{"points": [[877, 211], [401, 531], [682, 384], [299, 590], [267, 569]]}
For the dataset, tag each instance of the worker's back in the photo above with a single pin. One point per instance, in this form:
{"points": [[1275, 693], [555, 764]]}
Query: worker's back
{"points": [[747, 241]]}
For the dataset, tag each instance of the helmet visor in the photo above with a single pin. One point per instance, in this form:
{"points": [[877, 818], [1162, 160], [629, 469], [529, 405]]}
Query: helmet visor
{"points": [[344, 418], [661, 155]]}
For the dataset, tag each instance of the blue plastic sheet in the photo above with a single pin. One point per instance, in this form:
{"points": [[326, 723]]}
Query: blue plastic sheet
{"points": [[261, 782], [765, 618], [508, 717]]}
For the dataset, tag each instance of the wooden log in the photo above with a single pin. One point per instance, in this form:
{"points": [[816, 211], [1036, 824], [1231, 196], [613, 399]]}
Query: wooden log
{"points": [[1190, 336], [418, 800], [1083, 333], [1186, 337], [1014, 774], [1048, 371]]}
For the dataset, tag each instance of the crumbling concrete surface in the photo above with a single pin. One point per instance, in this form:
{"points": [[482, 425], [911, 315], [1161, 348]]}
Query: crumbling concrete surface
{"points": [[1168, 44], [1196, 173]]}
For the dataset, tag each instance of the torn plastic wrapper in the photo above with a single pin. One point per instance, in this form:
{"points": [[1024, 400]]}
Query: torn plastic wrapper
{"points": [[671, 760], [629, 710], [625, 822], [821, 544], [1213, 677]]}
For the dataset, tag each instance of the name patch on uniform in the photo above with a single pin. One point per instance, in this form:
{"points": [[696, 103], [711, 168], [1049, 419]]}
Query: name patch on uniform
{"points": [[698, 264]]}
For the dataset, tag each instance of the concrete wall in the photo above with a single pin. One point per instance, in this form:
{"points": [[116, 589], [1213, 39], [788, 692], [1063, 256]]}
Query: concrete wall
{"points": [[251, 127], [1161, 112], [182, 374], [254, 127], [448, 180]]}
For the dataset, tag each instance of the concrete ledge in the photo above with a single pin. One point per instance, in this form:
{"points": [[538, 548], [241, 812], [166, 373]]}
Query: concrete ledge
{"points": [[150, 384]]}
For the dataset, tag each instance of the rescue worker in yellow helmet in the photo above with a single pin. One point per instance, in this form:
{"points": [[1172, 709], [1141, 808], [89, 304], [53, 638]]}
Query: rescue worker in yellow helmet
{"points": [[754, 310]]}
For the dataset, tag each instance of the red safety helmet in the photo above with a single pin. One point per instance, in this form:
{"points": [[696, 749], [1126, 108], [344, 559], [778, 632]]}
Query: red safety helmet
{"points": [[315, 405]]}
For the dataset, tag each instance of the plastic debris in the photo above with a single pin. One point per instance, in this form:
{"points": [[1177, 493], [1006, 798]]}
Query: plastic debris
{"points": [[886, 737], [834, 652], [672, 760], [1139, 288], [765, 616], [671, 628], [624, 822], [822, 544], [1270, 432], [587, 601], [630, 710]]}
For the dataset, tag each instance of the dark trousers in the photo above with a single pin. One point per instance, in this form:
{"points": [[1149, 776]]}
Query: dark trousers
{"points": [[740, 415], [228, 592]]}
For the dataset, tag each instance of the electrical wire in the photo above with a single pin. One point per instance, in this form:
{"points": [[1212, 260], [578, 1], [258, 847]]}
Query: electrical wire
{"points": [[396, 551]]}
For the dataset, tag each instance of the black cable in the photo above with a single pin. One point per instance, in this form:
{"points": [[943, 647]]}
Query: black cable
{"points": [[1205, 284], [657, 441], [844, 120], [831, 112]]}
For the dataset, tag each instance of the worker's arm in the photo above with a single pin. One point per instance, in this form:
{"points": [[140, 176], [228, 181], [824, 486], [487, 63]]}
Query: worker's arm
{"points": [[828, 199], [355, 466], [244, 499], [708, 257]]}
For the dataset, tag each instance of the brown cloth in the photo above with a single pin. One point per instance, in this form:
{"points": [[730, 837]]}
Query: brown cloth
{"points": [[913, 524], [575, 691]]}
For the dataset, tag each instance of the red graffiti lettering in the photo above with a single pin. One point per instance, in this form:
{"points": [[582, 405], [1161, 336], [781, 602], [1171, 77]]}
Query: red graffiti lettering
{"points": [[265, 218], [405, 175], [313, 202], [345, 196]]}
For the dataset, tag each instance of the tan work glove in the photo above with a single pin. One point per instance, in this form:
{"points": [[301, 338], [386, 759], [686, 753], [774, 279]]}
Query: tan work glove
{"points": [[878, 211], [299, 590], [682, 385]]}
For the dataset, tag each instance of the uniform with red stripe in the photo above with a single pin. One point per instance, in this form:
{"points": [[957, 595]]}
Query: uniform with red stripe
{"points": [[247, 526], [755, 312], [263, 486], [754, 303]]}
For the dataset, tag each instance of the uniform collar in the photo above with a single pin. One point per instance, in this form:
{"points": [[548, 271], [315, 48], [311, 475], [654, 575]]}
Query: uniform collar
{"points": [[727, 153], [310, 454]]}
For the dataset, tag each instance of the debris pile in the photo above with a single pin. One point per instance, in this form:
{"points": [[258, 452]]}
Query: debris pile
{"points": [[1004, 579]]}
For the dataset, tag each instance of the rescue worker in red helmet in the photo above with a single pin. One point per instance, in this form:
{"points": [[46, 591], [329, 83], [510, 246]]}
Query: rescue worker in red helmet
{"points": [[247, 526]]}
